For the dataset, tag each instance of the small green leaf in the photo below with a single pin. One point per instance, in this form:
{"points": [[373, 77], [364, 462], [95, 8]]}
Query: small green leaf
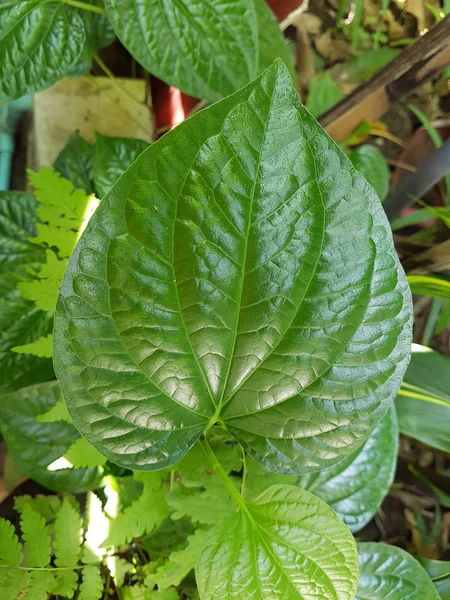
{"points": [[74, 163], [239, 271], [36, 537], [423, 401], [179, 564], [390, 573], [323, 93], [39, 43], [58, 412], [112, 158], [206, 507], [142, 516], [370, 162], [356, 486], [367, 63], [40, 585], [428, 285], [42, 347], [91, 587], [83, 454], [290, 545], [207, 49], [10, 548]]}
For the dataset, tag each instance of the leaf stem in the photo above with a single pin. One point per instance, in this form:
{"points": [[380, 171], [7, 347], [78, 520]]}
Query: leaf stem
{"points": [[85, 6], [204, 444], [114, 80], [244, 472]]}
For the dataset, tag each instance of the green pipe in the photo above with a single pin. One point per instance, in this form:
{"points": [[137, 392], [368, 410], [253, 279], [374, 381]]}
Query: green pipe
{"points": [[10, 115]]}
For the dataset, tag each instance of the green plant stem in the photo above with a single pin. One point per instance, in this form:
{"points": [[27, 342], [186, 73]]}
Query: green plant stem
{"points": [[85, 6], [44, 568], [223, 475], [244, 472], [113, 78]]}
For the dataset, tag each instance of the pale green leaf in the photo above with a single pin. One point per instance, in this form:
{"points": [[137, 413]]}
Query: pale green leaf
{"points": [[142, 516], [240, 271], [36, 537], [12, 583], [40, 585], [91, 587], [179, 564], [97, 529], [289, 544], [390, 573], [46, 506], [207, 507], [207, 49], [42, 347], [83, 454], [58, 412], [10, 548], [68, 535], [119, 567]]}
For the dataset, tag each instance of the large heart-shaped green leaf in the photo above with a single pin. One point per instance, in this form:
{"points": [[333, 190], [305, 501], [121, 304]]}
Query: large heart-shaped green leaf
{"points": [[208, 49], [288, 544], [356, 486], [242, 272], [390, 573]]}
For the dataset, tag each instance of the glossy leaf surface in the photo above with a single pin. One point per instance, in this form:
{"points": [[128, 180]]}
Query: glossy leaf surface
{"points": [[423, 401], [207, 49], [290, 545], [356, 486], [35, 445], [39, 43], [439, 571], [113, 156], [241, 270], [389, 573], [74, 163]]}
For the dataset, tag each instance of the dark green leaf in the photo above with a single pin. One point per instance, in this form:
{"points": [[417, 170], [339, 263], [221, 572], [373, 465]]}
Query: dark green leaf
{"points": [[367, 63], [241, 270], [356, 486], [74, 163], [390, 573], [439, 571], [207, 49], [20, 321], [370, 162], [113, 156], [323, 93], [36, 445], [289, 544], [423, 402], [39, 43]]}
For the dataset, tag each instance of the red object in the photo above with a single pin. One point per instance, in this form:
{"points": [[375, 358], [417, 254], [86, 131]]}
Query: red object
{"points": [[171, 107]]}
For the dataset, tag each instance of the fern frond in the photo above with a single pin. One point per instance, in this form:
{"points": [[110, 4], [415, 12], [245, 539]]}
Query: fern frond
{"points": [[91, 587], [10, 548], [36, 537], [206, 507], [58, 412], [66, 582], [142, 516], [179, 564], [42, 347], [83, 454], [13, 582], [118, 567], [40, 585], [46, 506]]}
